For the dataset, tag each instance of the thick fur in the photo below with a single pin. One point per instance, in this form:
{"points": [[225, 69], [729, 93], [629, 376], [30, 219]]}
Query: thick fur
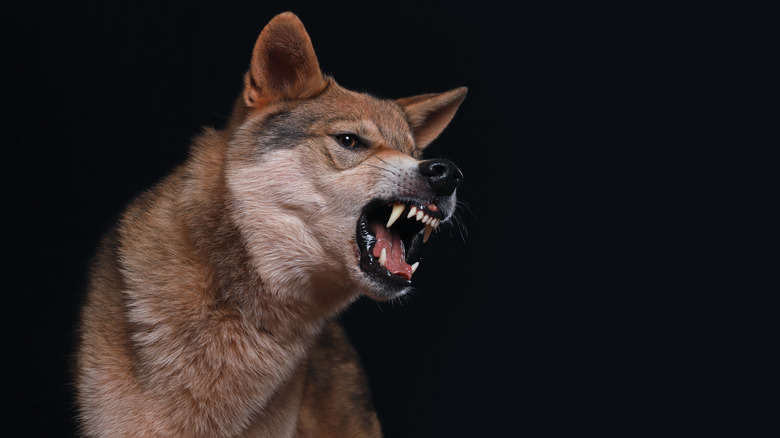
{"points": [[210, 310]]}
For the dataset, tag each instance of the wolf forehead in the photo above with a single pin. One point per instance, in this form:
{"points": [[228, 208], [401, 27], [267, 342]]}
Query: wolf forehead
{"points": [[379, 122]]}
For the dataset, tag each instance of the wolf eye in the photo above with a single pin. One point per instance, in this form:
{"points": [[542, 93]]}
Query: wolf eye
{"points": [[349, 141]]}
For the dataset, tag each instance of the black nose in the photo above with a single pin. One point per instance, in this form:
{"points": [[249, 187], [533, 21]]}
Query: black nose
{"points": [[442, 175]]}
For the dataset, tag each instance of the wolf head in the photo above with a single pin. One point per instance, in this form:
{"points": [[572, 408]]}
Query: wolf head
{"points": [[327, 186]]}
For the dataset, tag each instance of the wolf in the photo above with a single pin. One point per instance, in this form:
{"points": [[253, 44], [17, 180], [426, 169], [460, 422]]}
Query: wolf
{"points": [[211, 306]]}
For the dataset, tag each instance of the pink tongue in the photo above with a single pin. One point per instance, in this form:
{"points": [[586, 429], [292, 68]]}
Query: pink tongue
{"points": [[394, 249]]}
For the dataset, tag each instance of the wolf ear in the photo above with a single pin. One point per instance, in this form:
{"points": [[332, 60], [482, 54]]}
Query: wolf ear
{"points": [[429, 114], [284, 65]]}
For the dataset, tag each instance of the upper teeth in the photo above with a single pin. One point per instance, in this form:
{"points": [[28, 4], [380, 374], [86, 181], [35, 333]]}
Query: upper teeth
{"points": [[397, 210], [427, 234], [430, 222]]}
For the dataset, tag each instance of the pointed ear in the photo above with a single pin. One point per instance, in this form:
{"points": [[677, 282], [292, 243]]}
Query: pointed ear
{"points": [[429, 114], [284, 65]]}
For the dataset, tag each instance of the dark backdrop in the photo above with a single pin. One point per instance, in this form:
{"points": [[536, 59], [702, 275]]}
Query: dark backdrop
{"points": [[536, 313]]}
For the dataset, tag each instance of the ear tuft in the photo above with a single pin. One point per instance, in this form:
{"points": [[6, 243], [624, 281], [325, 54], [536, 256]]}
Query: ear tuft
{"points": [[429, 114], [284, 65]]}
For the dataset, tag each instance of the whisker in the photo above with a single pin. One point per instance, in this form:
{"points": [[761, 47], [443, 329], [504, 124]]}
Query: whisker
{"points": [[464, 233], [365, 173], [404, 299], [392, 168], [456, 223], [466, 206], [379, 158], [308, 219], [390, 171]]}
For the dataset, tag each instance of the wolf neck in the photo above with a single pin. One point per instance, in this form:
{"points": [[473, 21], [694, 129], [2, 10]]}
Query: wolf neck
{"points": [[283, 308]]}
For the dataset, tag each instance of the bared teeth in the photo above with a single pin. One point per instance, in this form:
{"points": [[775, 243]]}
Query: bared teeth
{"points": [[414, 266], [418, 214], [383, 257], [427, 235], [395, 214]]}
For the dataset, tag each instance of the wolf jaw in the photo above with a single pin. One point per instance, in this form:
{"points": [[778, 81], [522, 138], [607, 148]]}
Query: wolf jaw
{"points": [[387, 234]]}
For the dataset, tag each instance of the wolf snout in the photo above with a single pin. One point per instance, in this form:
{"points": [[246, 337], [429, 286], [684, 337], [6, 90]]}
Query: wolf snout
{"points": [[442, 175]]}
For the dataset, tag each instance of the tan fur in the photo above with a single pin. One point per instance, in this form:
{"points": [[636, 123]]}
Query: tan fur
{"points": [[210, 307]]}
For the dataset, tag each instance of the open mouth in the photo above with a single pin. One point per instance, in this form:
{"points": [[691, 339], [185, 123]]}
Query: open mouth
{"points": [[386, 234]]}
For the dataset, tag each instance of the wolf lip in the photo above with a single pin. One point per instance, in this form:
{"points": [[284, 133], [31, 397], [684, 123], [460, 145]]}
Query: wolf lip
{"points": [[386, 233]]}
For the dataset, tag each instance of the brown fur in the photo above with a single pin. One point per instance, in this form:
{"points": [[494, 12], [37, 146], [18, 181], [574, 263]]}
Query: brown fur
{"points": [[210, 307]]}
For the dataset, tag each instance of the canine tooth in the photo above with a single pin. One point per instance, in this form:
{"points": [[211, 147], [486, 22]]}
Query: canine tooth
{"points": [[397, 210], [412, 212], [427, 234], [414, 266], [420, 215], [383, 257]]}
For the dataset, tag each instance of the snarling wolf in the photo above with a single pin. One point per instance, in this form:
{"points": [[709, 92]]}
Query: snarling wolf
{"points": [[211, 307]]}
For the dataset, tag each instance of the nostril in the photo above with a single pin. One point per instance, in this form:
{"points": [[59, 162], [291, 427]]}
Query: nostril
{"points": [[458, 177], [443, 175], [438, 169]]}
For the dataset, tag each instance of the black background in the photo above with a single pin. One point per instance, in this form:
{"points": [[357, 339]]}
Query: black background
{"points": [[548, 308]]}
